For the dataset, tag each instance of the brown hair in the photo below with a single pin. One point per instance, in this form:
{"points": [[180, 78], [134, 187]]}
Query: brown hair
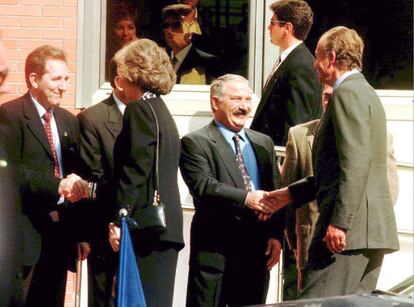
{"points": [[347, 45], [298, 13], [122, 11], [36, 60], [146, 65]]}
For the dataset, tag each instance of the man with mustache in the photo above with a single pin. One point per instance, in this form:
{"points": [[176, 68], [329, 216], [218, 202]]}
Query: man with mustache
{"points": [[227, 169]]}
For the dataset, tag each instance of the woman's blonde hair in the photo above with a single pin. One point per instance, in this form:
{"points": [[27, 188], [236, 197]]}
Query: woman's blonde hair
{"points": [[146, 65]]}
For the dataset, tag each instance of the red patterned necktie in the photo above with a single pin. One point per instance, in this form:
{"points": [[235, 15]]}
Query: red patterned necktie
{"points": [[241, 164], [47, 117]]}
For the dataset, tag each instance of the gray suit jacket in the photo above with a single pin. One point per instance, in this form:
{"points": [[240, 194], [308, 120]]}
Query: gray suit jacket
{"points": [[212, 175], [350, 181], [300, 223]]}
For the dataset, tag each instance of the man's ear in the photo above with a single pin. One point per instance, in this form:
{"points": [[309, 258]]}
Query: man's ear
{"points": [[34, 80], [289, 28], [332, 57], [215, 103], [119, 83]]}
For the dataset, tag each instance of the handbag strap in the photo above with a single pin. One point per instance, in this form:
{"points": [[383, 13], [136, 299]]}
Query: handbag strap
{"points": [[146, 96]]}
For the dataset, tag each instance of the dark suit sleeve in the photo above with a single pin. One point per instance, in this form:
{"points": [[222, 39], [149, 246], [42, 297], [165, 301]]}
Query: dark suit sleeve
{"points": [[276, 223], [90, 150], [134, 156], [351, 120], [303, 191], [197, 172]]}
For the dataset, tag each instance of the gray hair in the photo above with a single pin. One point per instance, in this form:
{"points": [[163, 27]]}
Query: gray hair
{"points": [[217, 87]]}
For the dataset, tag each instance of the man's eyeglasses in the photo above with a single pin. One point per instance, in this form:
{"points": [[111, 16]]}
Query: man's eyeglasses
{"points": [[274, 22], [175, 26]]}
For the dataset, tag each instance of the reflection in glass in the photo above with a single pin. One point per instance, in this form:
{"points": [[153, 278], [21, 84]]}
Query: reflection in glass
{"points": [[218, 27], [387, 31]]}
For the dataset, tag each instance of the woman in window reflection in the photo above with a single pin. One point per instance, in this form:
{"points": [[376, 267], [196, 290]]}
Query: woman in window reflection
{"points": [[125, 18], [144, 73], [123, 29]]}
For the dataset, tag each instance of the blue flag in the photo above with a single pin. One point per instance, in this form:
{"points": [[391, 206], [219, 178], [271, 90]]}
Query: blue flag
{"points": [[130, 292]]}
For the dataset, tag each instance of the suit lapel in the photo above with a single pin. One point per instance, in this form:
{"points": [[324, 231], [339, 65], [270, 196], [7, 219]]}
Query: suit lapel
{"points": [[262, 156], [278, 73], [114, 121], [226, 154], [34, 123], [189, 61]]}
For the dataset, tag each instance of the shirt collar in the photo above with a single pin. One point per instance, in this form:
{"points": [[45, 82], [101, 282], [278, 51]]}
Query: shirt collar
{"points": [[287, 51], [40, 109], [121, 106], [228, 134], [180, 56], [344, 76]]}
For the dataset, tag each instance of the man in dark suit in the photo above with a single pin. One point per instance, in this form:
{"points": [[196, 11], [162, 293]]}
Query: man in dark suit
{"points": [[44, 145], [292, 93], [356, 224], [227, 169], [10, 247], [100, 125], [192, 65]]}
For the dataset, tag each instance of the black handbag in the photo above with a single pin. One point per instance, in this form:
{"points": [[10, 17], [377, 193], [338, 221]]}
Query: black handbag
{"points": [[151, 218]]}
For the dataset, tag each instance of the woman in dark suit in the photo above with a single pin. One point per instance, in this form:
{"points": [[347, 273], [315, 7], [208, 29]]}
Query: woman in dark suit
{"points": [[145, 73]]}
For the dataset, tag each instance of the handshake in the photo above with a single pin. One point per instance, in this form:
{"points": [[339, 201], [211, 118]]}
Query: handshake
{"points": [[74, 188], [264, 204]]}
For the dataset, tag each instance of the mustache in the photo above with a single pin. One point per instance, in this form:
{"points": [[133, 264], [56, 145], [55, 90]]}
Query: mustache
{"points": [[240, 111]]}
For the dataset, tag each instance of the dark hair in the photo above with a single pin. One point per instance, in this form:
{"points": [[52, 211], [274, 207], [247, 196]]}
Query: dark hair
{"points": [[122, 11], [298, 13], [36, 60]]}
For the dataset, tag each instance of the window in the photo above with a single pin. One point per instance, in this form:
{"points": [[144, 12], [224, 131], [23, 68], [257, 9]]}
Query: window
{"points": [[224, 33], [387, 30]]}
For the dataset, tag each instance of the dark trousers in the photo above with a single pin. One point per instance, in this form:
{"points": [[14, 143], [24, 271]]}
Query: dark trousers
{"points": [[48, 283], [351, 272], [215, 281], [157, 264], [102, 267]]}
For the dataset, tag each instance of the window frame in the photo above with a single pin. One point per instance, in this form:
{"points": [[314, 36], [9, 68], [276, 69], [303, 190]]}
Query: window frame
{"points": [[91, 42]]}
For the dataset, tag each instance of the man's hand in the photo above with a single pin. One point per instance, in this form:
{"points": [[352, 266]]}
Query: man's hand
{"points": [[114, 236], [259, 201], [73, 188], [335, 239], [280, 198], [273, 251], [83, 250]]}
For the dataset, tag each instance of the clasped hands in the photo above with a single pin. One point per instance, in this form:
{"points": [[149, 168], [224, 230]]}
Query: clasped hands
{"points": [[74, 188], [266, 203]]}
